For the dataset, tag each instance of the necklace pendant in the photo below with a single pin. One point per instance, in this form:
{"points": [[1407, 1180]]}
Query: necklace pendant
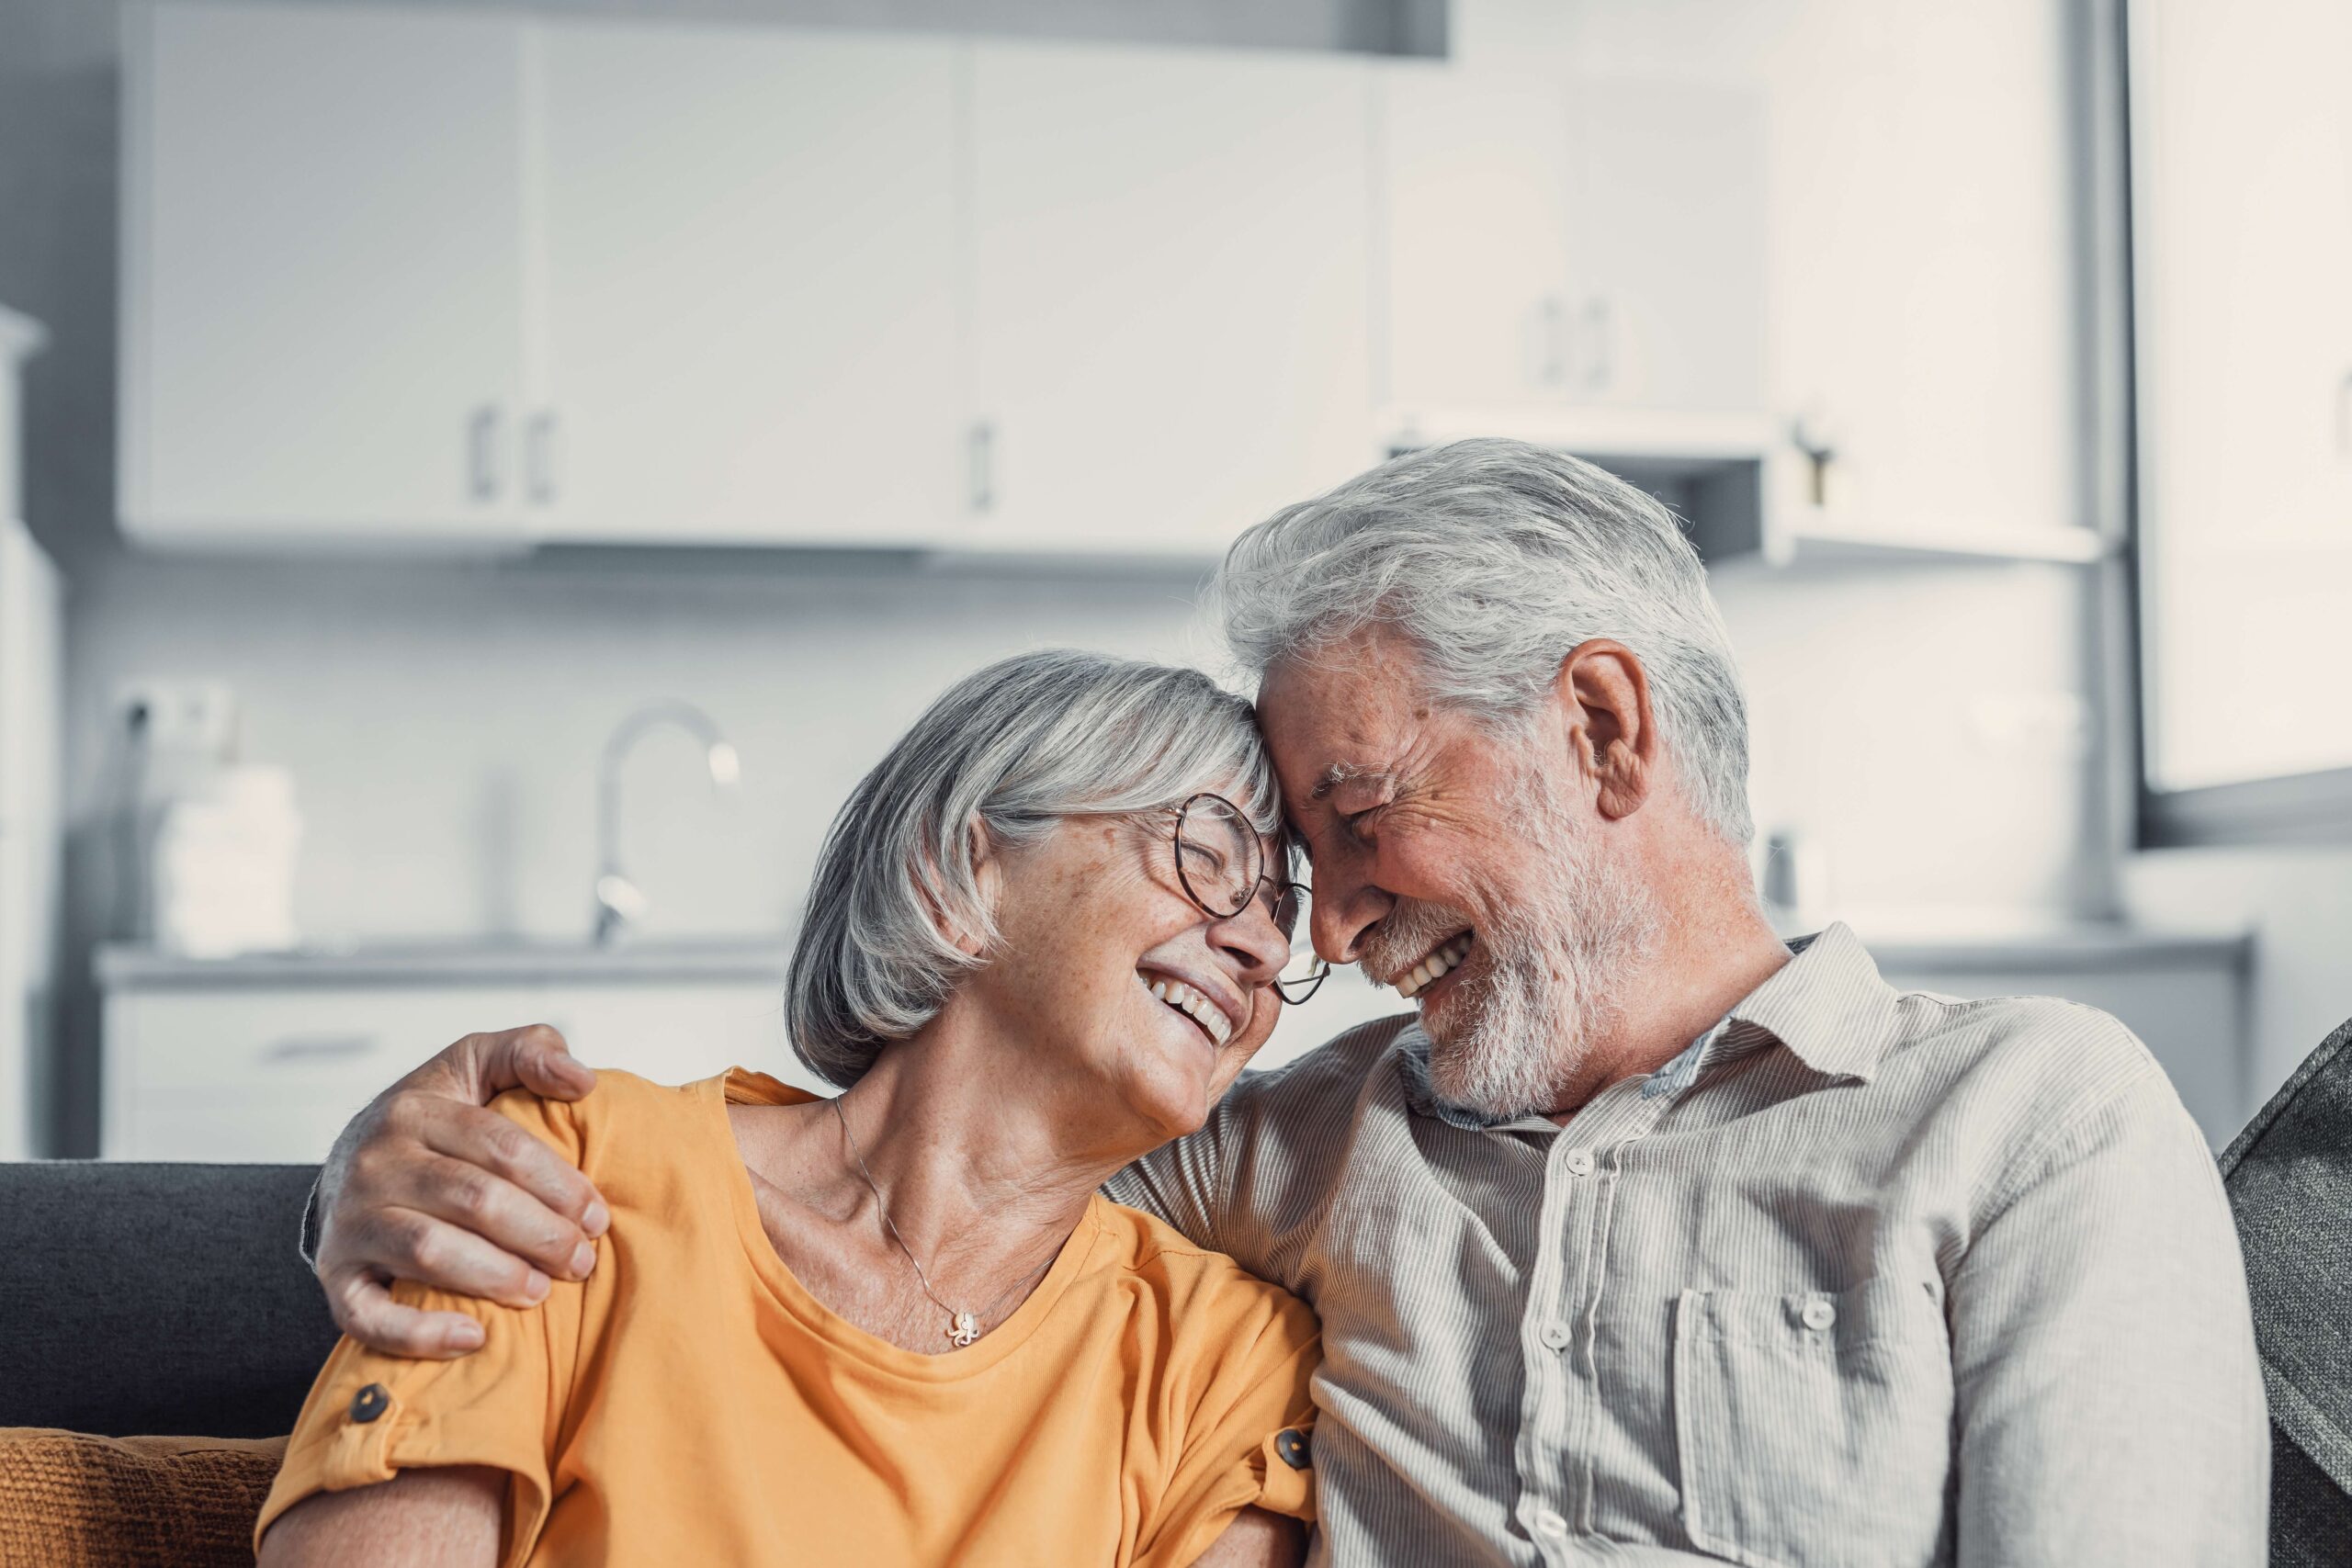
{"points": [[966, 1329]]}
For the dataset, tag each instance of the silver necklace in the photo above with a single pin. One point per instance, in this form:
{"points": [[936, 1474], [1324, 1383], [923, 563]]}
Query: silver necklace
{"points": [[963, 1327]]}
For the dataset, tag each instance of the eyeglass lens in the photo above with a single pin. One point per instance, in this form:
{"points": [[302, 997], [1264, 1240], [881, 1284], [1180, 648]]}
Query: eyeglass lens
{"points": [[1218, 855], [1221, 860]]}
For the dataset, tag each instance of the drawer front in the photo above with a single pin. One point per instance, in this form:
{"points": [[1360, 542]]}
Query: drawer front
{"points": [[250, 1074], [231, 1129]]}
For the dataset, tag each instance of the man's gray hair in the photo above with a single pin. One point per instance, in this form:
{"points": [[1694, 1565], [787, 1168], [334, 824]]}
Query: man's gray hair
{"points": [[1009, 751], [1494, 558]]}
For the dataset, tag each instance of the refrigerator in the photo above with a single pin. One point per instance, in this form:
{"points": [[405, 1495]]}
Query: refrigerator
{"points": [[30, 836]]}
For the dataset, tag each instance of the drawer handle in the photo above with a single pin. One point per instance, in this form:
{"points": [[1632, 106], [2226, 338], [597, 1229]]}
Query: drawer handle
{"points": [[316, 1047]]}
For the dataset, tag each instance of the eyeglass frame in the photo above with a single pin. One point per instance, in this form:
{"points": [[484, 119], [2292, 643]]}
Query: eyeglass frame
{"points": [[1322, 970]]}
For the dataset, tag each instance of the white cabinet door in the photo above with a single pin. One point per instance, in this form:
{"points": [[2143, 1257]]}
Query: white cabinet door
{"points": [[1555, 244], [1481, 308], [750, 303], [1170, 290], [1670, 247], [321, 274]]}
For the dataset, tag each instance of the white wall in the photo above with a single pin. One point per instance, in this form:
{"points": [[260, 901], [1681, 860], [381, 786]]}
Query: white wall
{"points": [[443, 722]]}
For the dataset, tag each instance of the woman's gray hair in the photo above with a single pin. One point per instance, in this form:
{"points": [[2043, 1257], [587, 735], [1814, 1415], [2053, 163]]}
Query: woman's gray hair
{"points": [[1009, 751], [1494, 558]]}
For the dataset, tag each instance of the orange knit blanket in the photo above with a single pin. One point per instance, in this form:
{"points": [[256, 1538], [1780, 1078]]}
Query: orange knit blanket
{"points": [[69, 1500]]}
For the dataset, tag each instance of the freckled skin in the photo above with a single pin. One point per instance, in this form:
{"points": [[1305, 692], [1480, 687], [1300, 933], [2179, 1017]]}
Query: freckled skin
{"points": [[1077, 913]]}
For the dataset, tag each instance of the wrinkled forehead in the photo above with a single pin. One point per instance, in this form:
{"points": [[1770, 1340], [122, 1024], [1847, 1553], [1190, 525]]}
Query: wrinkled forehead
{"points": [[1325, 724]]}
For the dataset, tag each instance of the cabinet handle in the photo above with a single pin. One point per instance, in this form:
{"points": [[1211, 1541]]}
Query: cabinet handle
{"points": [[1601, 359], [2344, 416], [542, 456], [983, 466], [1556, 341], [315, 1047], [481, 453]]}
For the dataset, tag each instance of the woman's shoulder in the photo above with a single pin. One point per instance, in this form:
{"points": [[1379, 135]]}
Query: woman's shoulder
{"points": [[1199, 1283], [624, 1121]]}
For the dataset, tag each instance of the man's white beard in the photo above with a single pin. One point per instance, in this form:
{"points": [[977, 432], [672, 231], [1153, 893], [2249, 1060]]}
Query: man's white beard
{"points": [[1554, 965]]}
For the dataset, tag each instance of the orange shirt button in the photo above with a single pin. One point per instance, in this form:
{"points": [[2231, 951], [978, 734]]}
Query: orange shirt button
{"points": [[371, 1402], [1293, 1450]]}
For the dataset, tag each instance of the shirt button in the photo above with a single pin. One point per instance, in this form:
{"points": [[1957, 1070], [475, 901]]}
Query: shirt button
{"points": [[1818, 1315], [1555, 1336], [369, 1402], [1549, 1522], [1579, 1162], [1293, 1448]]}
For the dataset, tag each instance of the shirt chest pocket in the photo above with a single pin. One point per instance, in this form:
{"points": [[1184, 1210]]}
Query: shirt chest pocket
{"points": [[1814, 1428]]}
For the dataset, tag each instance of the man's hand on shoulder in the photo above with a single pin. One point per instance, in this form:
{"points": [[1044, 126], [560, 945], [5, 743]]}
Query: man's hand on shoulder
{"points": [[429, 1184]]}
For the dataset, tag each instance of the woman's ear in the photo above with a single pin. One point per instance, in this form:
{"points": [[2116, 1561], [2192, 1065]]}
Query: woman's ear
{"points": [[988, 879]]}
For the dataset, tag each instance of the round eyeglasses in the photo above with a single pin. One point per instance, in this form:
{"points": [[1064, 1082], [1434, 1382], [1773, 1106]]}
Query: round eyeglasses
{"points": [[1221, 861]]}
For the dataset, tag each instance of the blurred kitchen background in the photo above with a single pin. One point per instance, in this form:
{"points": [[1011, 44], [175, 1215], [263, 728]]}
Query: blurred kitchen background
{"points": [[491, 478]]}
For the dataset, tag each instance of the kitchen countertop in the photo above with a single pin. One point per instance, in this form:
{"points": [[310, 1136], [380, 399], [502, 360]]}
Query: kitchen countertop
{"points": [[127, 967], [1902, 943]]}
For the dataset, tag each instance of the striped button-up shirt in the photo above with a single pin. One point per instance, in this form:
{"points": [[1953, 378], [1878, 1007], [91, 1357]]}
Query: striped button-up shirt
{"points": [[1862, 1278]]}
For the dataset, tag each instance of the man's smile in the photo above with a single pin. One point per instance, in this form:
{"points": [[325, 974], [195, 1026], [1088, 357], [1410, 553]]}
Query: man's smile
{"points": [[1435, 965]]}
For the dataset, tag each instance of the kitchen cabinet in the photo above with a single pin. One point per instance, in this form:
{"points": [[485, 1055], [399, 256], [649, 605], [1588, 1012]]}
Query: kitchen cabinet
{"points": [[1481, 202], [266, 1059], [322, 270], [483, 283], [1171, 284], [749, 311], [1570, 243]]}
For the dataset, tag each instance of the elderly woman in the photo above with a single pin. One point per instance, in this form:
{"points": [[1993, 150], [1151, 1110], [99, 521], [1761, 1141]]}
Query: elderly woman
{"points": [[901, 1325]]}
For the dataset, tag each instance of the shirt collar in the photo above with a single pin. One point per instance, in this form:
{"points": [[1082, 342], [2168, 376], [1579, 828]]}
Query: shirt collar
{"points": [[1827, 1005]]}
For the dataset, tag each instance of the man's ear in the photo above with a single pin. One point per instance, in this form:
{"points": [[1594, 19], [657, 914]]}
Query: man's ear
{"points": [[1604, 695]]}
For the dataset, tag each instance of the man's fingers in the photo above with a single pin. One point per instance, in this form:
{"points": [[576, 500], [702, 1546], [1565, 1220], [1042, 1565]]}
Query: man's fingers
{"points": [[547, 1066], [495, 1210], [500, 1147], [535, 1058], [409, 1243], [364, 1309]]}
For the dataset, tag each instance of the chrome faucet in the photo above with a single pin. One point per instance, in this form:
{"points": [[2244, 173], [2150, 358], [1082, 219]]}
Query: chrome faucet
{"points": [[619, 901]]}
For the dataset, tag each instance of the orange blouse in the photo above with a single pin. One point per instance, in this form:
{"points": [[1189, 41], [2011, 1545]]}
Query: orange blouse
{"points": [[692, 1403]]}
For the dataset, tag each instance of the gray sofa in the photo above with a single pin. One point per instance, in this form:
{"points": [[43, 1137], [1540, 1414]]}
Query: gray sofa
{"points": [[2289, 1179], [169, 1298], [156, 1298]]}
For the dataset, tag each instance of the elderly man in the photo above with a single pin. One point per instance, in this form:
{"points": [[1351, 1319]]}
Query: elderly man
{"points": [[1646, 1237]]}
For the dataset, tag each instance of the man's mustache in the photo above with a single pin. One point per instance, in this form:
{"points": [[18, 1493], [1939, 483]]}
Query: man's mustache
{"points": [[1405, 936]]}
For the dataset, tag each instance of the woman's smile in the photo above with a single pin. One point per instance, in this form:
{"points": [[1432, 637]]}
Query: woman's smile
{"points": [[1209, 1014]]}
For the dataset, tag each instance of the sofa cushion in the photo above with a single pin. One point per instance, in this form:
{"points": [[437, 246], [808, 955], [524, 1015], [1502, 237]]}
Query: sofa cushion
{"points": [[2289, 1179], [70, 1500], [156, 1298]]}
